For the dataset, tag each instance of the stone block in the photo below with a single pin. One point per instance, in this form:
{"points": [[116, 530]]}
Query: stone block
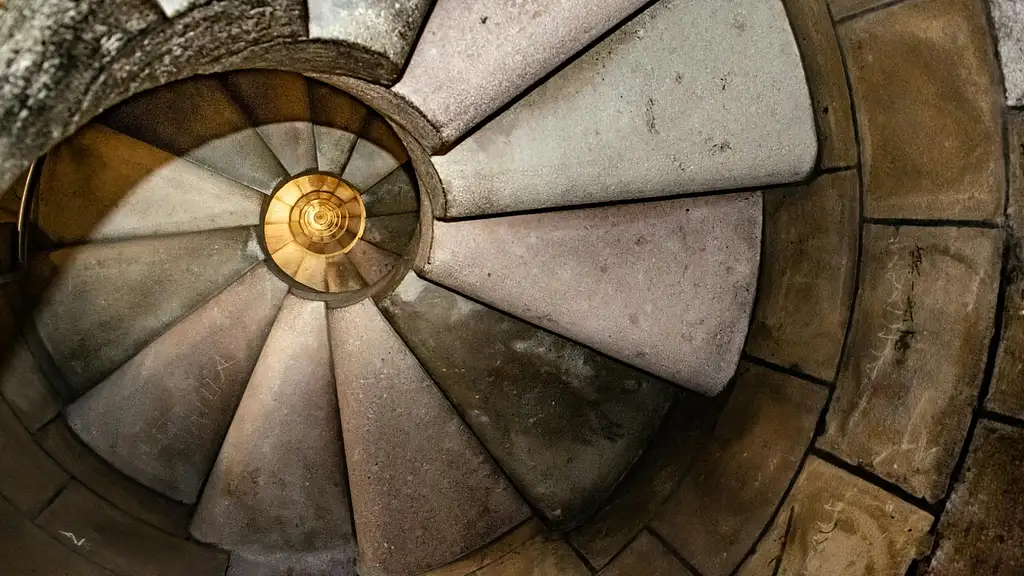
{"points": [[389, 27], [1008, 21], [646, 557], [29, 478], [842, 9], [26, 550], [542, 555], [470, 563]]}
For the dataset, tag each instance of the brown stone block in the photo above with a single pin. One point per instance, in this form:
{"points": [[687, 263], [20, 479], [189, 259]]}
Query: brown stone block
{"points": [[916, 353], [846, 8], [646, 557], [28, 477], [27, 550], [542, 555]]}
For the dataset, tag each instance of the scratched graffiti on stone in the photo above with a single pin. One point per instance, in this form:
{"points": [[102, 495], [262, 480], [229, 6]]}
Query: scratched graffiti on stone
{"points": [[895, 338], [193, 413]]}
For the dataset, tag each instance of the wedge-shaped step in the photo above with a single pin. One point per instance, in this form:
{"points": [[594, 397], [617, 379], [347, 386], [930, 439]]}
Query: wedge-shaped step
{"points": [[101, 184], [197, 120], [278, 483], [277, 103], [392, 233], [387, 27], [424, 491], [161, 417], [665, 286], [687, 97], [471, 58], [395, 194], [337, 119], [100, 304], [578, 419], [368, 165], [372, 262]]}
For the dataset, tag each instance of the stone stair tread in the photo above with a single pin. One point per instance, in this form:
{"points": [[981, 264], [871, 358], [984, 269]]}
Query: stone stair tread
{"points": [[278, 483], [100, 304], [216, 134], [160, 418], [579, 419], [27, 549], [29, 478], [337, 119], [388, 27], [674, 280], [424, 491], [326, 563], [395, 194], [672, 102], [368, 164], [392, 233], [103, 185], [371, 262]]}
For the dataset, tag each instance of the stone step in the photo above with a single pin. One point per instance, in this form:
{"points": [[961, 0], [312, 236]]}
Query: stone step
{"points": [[392, 233], [161, 417], [395, 194], [372, 262], [277, 104], [334, 273], [337, 119], [102, 185], [26, 549], [424, 491], [687, 97], [578, 419], [100, 304], [664, 286], [278, 484], [198, 120], [368, 164], [329, 563]]}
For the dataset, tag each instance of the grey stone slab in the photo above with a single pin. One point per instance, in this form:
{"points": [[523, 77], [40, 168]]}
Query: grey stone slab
{"points": [[329, 563], [578, 419], [161, 417], [100, 304], [102, 185], [29, 479], [337, 119], [916, 352], [808, 276], [472, 59], [90, 526], [26, 550], [646, 557], [982, 528], [686, 97], [424, 491], [733, 488], [395, 194], [1008, 19], [368, 164], [386, 26], [371, 262], [86, 467], [392, 233], [542, 555], [334, 148], [674, 280], [835, 523], [278, 483], [217, 134]]}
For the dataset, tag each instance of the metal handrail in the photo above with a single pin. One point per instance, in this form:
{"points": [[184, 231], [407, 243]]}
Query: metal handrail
{"points": [[25, 209]]}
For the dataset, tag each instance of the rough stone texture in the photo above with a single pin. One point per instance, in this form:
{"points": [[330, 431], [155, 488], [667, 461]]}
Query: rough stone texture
{"points": [[29, 479], [100, 304], [424, 491], [674, 280], [371, 262], [161, 417], [139, 502], [87, 524], [337, 118], [916, 354], [368, 164], [808, 274], [646, 557], [904, 112], [673, 102], [174, 8], [834, 523], [292, 564], [27, 550], [982, 529], [102, 185], [386, 26], [564, 422], [468, 564], [1006, 394], [395, 194], [733, 488], [826, 79], [1008, 20], [392, 233], [846, 8], [542, 555], [278, 483], [651, 480], [22, 384], [470, 59]]}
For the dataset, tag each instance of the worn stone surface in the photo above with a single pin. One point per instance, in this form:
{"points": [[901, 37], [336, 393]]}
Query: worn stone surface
{"points": [[542, 555], [640, 494], [371, 262], [733, 488], [395, 194], [826, 79], [337, 119], [808, 274], [564, 422], [470, 59], [86, 467], [646, 557], [686, 97], [386, 26], [87, 524], [392, 233], [1008, 21], [278, 483], [29, 479], [26, 549], [835, 523], [904, 111], [102, 185], [492, 552], [424, 491], [846, 8], [368, 164], [674, 280], [100, 304], [22, 384], [293, 564], [161, 417], [917, 350], [982, 529]]}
